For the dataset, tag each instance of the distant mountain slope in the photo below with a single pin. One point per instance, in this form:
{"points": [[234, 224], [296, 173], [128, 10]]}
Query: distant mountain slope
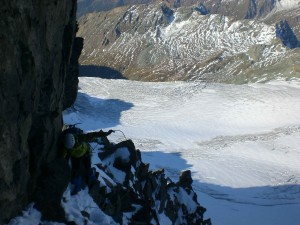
{"points": [[155, 42], [88, 6], [269, 10]]}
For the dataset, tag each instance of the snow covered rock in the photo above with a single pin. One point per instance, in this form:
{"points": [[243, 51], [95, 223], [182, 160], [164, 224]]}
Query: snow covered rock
{"points": [[126, 192], [132, 194]]}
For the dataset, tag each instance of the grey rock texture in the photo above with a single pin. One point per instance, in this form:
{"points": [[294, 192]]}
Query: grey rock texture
{"points": [[36, 39]]}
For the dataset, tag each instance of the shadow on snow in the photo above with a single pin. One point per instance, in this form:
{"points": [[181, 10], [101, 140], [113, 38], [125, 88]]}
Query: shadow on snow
{"points": [[274, 205], [92, 113], [173, 164]]}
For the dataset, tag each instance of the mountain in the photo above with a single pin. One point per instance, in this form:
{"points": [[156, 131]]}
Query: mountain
{"points": [[160, 42], [268, 10]]}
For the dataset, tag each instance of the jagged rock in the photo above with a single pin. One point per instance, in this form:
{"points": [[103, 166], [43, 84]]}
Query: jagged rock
{"points": [[146, 194], [35, 50], [185, 179]]}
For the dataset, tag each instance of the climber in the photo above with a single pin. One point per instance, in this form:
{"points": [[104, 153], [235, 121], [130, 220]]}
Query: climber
{"points": [[78, 149]]}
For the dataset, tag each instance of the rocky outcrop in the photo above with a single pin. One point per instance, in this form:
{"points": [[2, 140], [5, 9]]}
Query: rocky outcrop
{"points": [[36, 39], [286, 34], [130, 191], [121, 190]]}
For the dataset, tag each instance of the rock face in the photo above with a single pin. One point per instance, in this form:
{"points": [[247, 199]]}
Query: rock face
{"points": [[36, 39], [161, 43]]}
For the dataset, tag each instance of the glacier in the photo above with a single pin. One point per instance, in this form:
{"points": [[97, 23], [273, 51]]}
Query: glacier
{"points": [[241, 142]]}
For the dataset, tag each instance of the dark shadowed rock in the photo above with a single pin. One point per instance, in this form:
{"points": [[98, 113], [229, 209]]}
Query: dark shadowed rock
{"points": [[71, 86], [286, 34], [252, 10], [185, 179], [202, 9], [36, 39], [50, 188]]}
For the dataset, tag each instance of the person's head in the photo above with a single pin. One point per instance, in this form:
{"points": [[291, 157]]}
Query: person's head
{"points": [[69, 141]]}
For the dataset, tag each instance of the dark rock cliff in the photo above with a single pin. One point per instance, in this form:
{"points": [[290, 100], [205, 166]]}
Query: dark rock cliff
{"points": [[286, 34], [36, 39]]}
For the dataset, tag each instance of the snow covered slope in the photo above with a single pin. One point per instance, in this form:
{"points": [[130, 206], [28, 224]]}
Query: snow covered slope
{"points": [[240, 141]]}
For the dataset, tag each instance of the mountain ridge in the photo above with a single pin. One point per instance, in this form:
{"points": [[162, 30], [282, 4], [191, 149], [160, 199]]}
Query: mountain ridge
{"points": [[266, 10]]}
